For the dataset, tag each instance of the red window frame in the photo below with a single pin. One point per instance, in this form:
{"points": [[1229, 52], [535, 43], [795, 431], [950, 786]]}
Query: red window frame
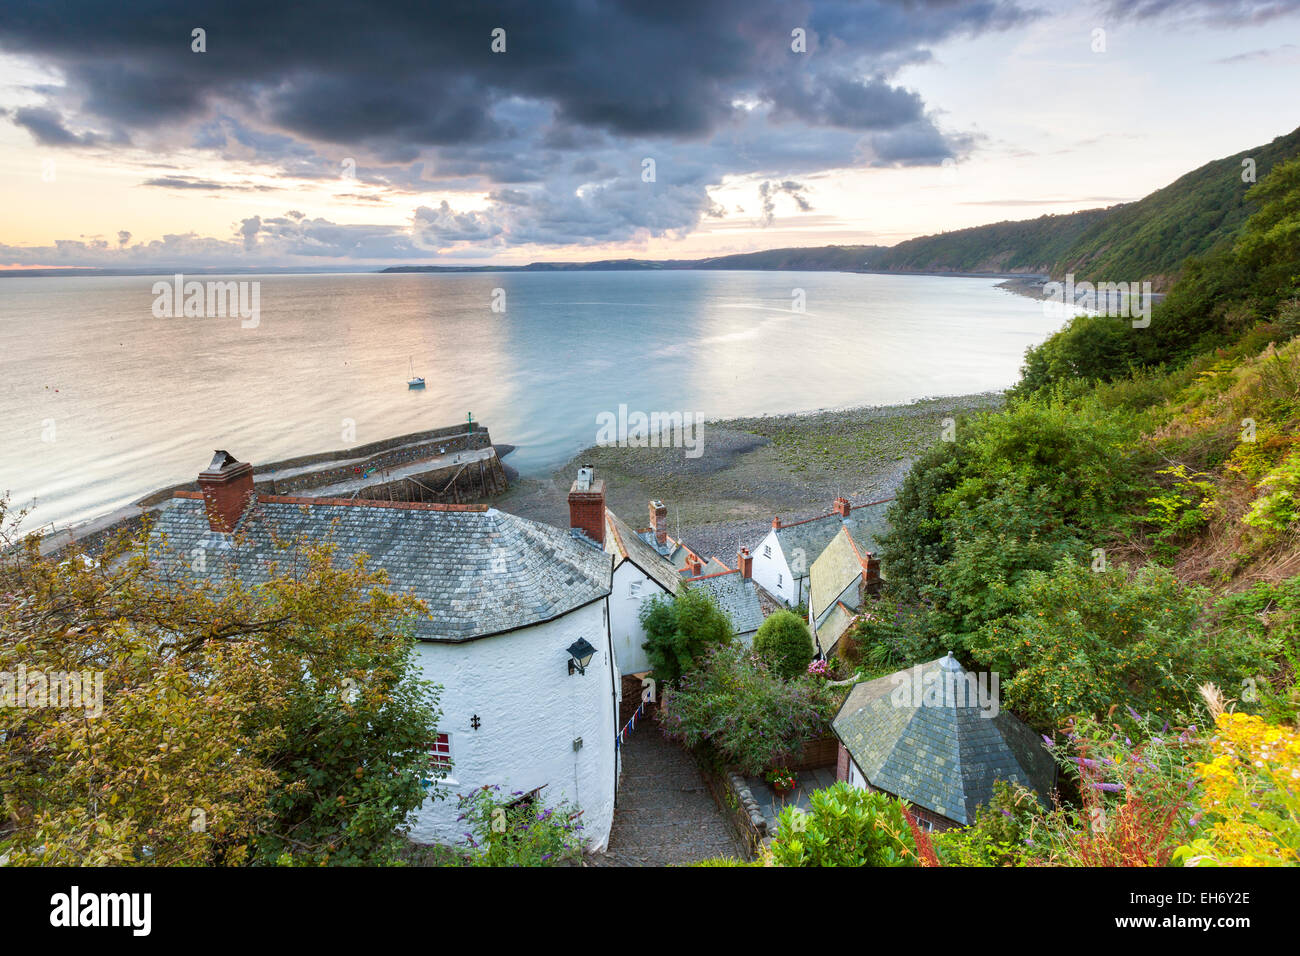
{"points": [[442, 752]]}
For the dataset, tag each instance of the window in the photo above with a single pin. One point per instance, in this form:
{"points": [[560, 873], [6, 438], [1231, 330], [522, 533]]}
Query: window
{"points": [[767, 550], [780, 580], [634, 589], [442, 752]]}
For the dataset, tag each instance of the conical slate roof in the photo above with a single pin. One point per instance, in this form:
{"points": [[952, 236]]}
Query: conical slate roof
{"points": [[922, 735]]}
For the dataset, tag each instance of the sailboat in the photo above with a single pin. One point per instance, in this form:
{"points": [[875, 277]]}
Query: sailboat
{"points": [[415, 381]]}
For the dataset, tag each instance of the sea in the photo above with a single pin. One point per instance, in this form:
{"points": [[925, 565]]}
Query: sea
{"points": [[109, 390]]}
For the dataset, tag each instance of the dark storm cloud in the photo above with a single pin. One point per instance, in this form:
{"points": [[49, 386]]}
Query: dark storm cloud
{"points": [[46, 127], [424, 75], [556, 127]]}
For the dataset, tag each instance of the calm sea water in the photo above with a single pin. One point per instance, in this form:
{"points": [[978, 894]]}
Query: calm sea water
{"points": [[103, 402]]}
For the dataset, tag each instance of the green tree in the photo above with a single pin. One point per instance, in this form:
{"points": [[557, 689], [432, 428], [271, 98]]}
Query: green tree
{"points": [[785, 644], [235, 724], [681, 631]]}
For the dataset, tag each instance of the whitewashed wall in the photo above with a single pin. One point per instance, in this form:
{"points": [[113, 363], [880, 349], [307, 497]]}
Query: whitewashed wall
{"points": [[625, 601], [531, 710], [768, 570]]}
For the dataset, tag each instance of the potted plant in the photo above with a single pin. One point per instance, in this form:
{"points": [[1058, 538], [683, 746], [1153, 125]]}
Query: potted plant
{"points": [[781, 779]]}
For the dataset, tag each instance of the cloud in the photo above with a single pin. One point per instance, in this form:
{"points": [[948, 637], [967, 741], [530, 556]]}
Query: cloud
{"points": [[1219, 13], [1286, 51], [767, 193], [410, 99], [48, 129]]}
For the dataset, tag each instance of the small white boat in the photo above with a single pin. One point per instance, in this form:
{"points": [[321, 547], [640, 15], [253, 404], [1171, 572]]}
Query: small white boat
{"points": [[415, 381]]}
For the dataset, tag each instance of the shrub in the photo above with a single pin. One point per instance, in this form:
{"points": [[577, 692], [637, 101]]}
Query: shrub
{"points": [[845, 826], [1082, 641], [1002, 834], [503, 832], [1277, 510], [1013, 493], [784, 642], [1135, 794], [1249, 796], [681, 631], [749, 716]]}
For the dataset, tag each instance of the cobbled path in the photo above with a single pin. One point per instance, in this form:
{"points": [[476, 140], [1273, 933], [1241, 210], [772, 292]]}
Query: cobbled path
{"points": [[665, 813]]}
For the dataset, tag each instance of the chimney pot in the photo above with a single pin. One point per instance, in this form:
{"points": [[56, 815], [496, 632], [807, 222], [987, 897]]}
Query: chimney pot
{"points": [[842, 507], [776, 522], [227, 487]]}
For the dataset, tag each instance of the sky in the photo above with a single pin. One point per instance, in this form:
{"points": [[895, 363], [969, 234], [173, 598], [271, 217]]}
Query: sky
{"points": [[356, 135]]}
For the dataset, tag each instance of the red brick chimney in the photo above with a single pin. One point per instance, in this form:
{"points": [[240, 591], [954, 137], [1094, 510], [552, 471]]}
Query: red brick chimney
{"points": [[776, 522], [871, 574], [745, 563], [659, 522], [227, 487], [694, 565], [842, 507], [587, 504]]}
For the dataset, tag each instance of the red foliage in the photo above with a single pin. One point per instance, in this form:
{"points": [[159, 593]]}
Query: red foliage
{"points": [[923, 848]]}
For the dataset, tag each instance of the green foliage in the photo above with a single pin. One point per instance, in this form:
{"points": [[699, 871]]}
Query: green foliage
{"points": [[1269, 246], [352, 771], [1082, 641], [1181, 510], [1267, 615], [785, 644], [510, 831], [1221, 293], [724, 861], [845, 826], [1001, 834], [277, 723], [749, 717], [1278, 509], [682, 630], [1151, 238], [1015, 492]]}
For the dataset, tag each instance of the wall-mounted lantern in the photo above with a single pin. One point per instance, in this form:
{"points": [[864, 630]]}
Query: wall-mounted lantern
{"points": [[580, 655]]}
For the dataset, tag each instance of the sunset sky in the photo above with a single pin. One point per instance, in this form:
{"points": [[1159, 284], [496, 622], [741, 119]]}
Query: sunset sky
{"points": [[364, 134]]}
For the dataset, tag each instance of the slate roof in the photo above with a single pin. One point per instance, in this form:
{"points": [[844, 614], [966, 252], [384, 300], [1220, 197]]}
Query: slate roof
{"points": [[836, 623], [736, 596], [482, 572], [944, 757], [866, 522], [836, 570], [626, 544]]}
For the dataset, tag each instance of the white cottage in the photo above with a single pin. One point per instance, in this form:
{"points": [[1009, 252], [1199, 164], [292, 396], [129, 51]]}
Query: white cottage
{"points": [[509, 598], [783, 559], [649, 564]]}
